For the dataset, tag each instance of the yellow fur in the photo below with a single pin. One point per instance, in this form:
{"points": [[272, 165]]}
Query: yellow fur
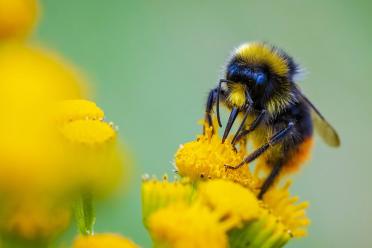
{"points": [[237, 95], [259, 137], [276, 104], [259, 53]]}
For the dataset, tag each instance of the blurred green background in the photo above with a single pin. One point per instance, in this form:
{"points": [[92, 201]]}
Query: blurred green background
{"points": [[153, 62]]}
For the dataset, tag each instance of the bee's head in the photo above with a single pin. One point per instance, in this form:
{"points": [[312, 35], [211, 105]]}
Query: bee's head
{"points": [[266, 72]]}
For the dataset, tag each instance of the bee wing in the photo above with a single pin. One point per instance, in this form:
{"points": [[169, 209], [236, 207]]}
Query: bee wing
{"points": [[322, 126]]}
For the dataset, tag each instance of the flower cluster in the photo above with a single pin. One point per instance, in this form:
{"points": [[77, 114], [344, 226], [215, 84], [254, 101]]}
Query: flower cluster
{"points": [[212, 206], [57, 152]]}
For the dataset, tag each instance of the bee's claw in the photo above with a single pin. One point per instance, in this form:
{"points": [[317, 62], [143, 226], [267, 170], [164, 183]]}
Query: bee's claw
{"points": [[235, 149], [229, 167]]}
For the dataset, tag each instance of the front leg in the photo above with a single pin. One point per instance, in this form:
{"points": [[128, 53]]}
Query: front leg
{"points": [[240, 134], [212, 97], [275, 139]]}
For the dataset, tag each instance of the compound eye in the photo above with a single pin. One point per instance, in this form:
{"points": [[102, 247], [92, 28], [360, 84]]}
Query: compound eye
{"points": [[260, 78], [248, 73]]}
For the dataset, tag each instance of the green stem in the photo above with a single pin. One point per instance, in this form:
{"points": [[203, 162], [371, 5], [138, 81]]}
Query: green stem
{"points": [[14, 242], [85, 214]]}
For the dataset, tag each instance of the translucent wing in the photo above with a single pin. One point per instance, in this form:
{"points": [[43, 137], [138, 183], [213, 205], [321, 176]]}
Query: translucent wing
{"points": [[322, 126]]}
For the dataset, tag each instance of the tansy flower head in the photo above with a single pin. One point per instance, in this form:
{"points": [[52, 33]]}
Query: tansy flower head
{"points": [[79, 109], [33, 81], [287, 209], [267, 231], [159, 194], [17, 17], [95, 157], [89, 132], [279, 220], [234, 203], [107, 240], [183, 226], [249, 222], [206, 157]]}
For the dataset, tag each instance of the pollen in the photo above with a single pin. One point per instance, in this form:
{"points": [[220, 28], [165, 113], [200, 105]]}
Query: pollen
{"points": [[206, 157]]}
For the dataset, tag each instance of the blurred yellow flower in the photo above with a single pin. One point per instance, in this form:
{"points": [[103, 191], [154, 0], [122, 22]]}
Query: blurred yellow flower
{"points": [[183, 226], [55, 147], [32, 82], [53, 142], [17, 17], [94, 157], [91, 133], [107, 240], [77, 109], [159, 194], [34, 218]]}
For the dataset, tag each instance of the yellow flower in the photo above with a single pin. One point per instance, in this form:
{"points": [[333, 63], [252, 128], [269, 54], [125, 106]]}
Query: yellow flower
{"points": [[267, 231], [281, 218], [107, 240], [234, 203], [159, 194], [78, 109], [95, 157], [235, 209], [271, 222], [205, 158], [183, 226], [34, 218], [32, 82], [17, 17], [91, 133], [286, 207]]}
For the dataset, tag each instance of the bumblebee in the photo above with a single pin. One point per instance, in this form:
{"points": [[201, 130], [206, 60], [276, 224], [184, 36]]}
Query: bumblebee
{"points": [[260, 88]]}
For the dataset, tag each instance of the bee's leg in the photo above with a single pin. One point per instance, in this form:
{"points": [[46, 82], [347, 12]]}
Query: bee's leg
{"points": [[242, 133], [234, 113], [273, 141], [240, 127], [209, 106], [208, 109], [270, 179]]}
